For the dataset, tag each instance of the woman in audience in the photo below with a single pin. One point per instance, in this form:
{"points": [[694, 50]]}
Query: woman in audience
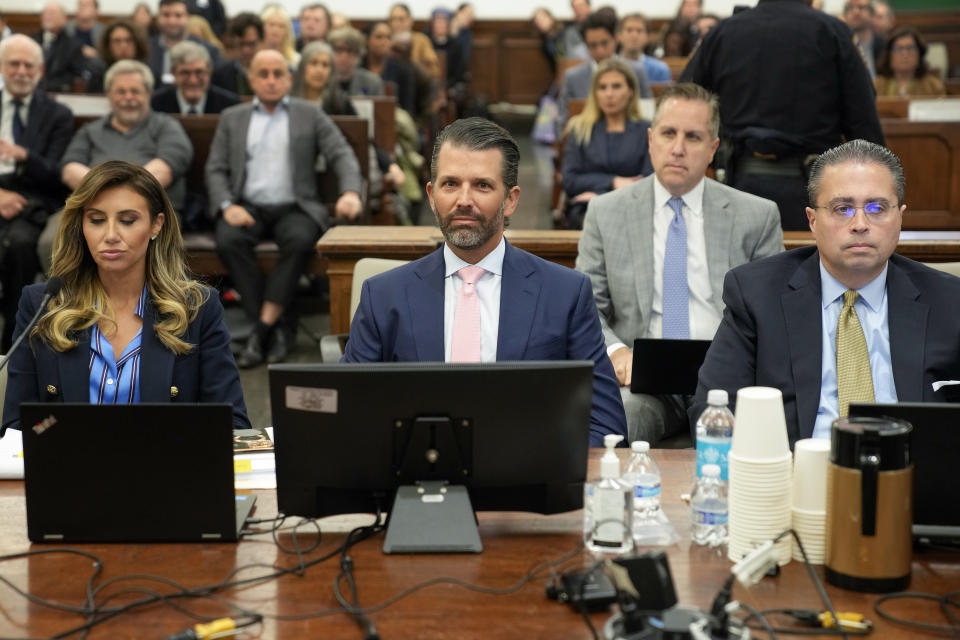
{"points": [[902, 71], [121, 40], [551, 36], [380, 61], [606, 144], [128, 324], [199, 27], [143, 19], [278, 33]]}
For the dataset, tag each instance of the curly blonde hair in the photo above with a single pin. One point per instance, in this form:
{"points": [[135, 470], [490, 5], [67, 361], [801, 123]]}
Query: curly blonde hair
{"points": [[82, 301]]}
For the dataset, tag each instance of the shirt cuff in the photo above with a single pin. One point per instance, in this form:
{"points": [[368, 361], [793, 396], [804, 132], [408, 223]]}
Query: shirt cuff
{"points": [[614, 347], [224, 205]]}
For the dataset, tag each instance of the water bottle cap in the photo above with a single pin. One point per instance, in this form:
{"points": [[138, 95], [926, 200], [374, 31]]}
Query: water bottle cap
{"points": [[711, 470], [717, 396], [640, 446]]}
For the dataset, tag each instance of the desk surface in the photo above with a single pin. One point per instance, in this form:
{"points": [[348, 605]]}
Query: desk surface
{"points": [[513, 544]]}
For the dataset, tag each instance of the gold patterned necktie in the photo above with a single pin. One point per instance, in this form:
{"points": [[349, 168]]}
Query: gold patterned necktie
{"points": [[854, 379]]}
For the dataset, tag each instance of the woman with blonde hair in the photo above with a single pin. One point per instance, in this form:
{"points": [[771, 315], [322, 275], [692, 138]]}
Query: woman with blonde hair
{"points": [[128, 325], [278, 33], [606, 145], [199, 27]]}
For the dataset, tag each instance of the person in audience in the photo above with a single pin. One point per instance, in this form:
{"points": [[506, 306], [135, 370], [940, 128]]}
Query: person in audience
{"points": [[884, 19], [902, 70], [606, 146], [128, 325], [633, 37], [690, 10], [421, 50], [314, 24], [772, 128], [460, 28], [348, 48], [5, 30], [846, 320], [86, 28], [858, 14], [63, 60], [130, 132], [212, 12], [199, 27], [600, 33], [656, 250], [438, 30], [261, 184], [192, 94], [143, 18], [479, 299], [551, 36], [390, 69], [573, 45], [120, 40], [278, 33], [703, 25], [677, 40], [172, 24], [34, 132], [246, 30]]}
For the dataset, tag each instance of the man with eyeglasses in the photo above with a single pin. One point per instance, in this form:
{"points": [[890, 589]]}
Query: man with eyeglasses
{"points": [[192, 93], [846, 320]]}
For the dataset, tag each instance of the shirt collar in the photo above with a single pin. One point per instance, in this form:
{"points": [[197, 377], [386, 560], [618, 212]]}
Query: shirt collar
{"points": [[871, 293], [492, 262], [693, 199], [185, 106], [8, 99], [258, 106]]}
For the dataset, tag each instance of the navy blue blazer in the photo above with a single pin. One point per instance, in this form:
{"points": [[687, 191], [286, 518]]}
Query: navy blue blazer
{"points": [[547, 312], [164, 99], [770, 334], [207, 373], [592, 167]]}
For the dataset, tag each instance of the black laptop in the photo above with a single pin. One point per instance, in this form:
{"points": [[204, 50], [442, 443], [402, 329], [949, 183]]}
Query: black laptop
{"points": [[131, 473], [667, 366], [934, 443]]}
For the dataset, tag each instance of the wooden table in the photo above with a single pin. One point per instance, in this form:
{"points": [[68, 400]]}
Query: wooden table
{"points": [[342, 246], [513, 543]]}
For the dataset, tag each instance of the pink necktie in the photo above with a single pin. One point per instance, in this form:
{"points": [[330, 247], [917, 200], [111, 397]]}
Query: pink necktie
{"points": [[466, 318]]}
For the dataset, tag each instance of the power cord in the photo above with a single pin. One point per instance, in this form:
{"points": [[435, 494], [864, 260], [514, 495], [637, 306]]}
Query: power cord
{"points": [[948, 602]]}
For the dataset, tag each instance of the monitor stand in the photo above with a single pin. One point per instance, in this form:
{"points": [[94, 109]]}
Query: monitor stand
{"points": [[432, 517]]}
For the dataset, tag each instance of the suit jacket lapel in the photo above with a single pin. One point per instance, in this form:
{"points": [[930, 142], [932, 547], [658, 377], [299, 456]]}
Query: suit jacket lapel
{"points": [[239, 159], [519, 292], [802, 309], [156, 361], [717, 230], [425, 300], [640, 245], [75, 371], [907, 323]]}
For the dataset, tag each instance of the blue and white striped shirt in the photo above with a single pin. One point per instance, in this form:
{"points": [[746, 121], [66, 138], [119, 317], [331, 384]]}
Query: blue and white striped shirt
{"points": [[113, 380]]}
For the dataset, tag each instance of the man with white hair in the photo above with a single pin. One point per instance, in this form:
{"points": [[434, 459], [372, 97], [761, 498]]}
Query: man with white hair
{"points": [[192, 93], [34, 131], [63, 59], [131, 132]]}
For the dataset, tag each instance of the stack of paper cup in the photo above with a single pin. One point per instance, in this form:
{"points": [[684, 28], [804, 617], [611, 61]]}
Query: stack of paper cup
{"points": [[809, 512], [759, 467]]}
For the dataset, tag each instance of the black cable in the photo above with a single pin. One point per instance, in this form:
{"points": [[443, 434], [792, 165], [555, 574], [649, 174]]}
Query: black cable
{"points": [[764, 624], [816, 580], [946, 600], [346, 573]]}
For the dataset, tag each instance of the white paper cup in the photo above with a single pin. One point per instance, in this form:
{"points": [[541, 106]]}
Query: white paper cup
{"points": [[810, 458], [760, 429]]}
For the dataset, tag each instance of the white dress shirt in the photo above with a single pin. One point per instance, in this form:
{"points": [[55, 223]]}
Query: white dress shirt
{"points": [[185, 106], [488, 291], [6, 126], [269, 179]]}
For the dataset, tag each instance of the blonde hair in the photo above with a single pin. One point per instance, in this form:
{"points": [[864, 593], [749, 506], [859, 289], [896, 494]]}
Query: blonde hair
{"points": [[288, 49], [581, 125], [82, 301], [198, 26]]}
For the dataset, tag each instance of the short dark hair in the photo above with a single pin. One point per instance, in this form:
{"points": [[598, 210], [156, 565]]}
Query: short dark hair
{"points": [[480, 134], [402, 5], [883, 65], [861, 152], [599, 20], [243, 21], [166, 3], [633, 16]]}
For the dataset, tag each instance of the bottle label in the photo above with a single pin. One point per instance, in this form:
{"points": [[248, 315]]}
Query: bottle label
{"points": [[709, 517], [713, 451], [608, 512], [646, 490]]}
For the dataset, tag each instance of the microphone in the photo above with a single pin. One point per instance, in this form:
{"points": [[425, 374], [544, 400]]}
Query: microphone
{"points": [[51, 290]]}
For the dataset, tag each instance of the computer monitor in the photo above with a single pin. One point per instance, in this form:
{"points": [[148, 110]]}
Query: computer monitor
{"points": [[506, 436]]}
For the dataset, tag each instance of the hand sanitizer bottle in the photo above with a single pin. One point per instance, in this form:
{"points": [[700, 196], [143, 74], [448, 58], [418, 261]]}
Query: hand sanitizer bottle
{"points": [[608, 506]]}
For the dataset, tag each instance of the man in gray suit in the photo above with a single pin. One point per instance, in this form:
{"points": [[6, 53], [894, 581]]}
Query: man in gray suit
{"points": [[262, 184], [657, 251], [600, 33]]}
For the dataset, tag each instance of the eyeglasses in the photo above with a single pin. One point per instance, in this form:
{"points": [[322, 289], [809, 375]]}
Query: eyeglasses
{"points": [[877, 211], [197, 73], [909, 48]]}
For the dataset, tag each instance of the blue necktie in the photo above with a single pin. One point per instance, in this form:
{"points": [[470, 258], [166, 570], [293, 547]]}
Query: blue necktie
{"points": [[676, 311], [17, 122]]}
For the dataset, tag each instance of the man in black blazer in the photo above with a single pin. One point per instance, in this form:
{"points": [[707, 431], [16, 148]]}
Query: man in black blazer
{"points": [[192, 94], [63, 59], [172, 19], [783, 313], [34, 131]]}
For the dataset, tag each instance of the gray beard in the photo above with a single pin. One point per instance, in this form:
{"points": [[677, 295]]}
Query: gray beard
{"points": [[470, 238]]}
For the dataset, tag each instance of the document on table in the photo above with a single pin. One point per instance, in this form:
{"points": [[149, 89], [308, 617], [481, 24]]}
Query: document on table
{"points": [[255, 470], [11, 455]]}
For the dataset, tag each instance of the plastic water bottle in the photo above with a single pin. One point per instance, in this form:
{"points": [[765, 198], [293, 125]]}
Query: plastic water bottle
{"points": [[643, 475], [708, 508], [714, 434], [607, 506]]}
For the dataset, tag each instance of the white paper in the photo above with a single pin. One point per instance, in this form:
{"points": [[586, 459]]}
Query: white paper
{"points": [[940, 384], [11, 455]]}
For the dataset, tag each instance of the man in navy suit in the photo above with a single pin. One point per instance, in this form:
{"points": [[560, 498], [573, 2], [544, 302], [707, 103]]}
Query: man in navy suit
{"points": [[192, 94], [783, 313], [524, 308], [34, 131], [172, 19]]}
